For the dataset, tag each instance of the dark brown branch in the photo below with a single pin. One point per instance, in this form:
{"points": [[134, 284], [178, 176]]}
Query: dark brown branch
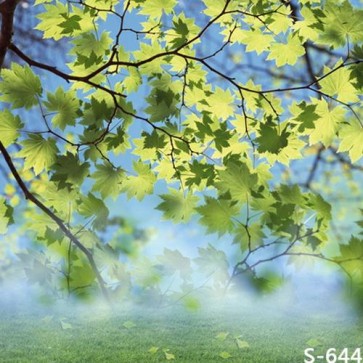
{"points": [[7, 9], [65, 76]]}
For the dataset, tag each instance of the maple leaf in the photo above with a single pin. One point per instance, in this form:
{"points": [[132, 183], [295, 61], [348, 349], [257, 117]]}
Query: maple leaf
{"points": [[141, 184], [50, 20], [326, 126], [91, 206], [213, 7], [216, 215], [6, 216], [270, 139], [20, 86], [107, 180], [221, 103], [351, 256], [238, 180], [155, 8], [66, 104], [351, 136], [341, 22], [39, 153], [9, 127], [286, 53], [70, 24], [306, 27], [338, 85], [68, 170], [177, 206], [306, 116], [255, 40]]}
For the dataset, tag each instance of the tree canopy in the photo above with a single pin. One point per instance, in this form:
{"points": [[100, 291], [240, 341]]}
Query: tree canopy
{"points": [[245, 115]]}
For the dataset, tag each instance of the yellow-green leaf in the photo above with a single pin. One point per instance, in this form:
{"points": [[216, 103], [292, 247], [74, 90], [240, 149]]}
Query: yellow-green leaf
{"points": [[352, 140], [286, 53], [39, 153], [9, 127]]}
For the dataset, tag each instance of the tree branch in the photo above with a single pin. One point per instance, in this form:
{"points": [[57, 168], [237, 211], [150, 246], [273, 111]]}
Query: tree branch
{"points": [[7, 9]]}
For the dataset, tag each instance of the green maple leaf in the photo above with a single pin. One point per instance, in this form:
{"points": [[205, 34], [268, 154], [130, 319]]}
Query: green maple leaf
{"points": [[291, 194], [200, 172], [6, 216], [62, 200], [168, 356], [96, 112], [9, 127], [177, 206], [155, 8], [216, 215], [306, 117], [270, 139], [225, 355], [338, 84], [180, 28], [20, 86], [281, 21], [155, 140], [133, 81], [222, 336], [68, 169], [53, 235], [88, 43], [286, 53], [39, 153], [70, 24], [221, 103], [82, 275], [351, 136], [162, 104], [91, 206], [118, 142], [326, 126], [307, 26], [351, 256], [141, 184], [241, 344], [255, 40], [320, 206], [238, 180], [341, 22], [50, 19], [213, 7], [153, 350], [107, 180], [66, 104], [221, 137]]}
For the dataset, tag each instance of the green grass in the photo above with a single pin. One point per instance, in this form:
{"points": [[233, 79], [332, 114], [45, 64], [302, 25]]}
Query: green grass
{"points": [[275, 331]]}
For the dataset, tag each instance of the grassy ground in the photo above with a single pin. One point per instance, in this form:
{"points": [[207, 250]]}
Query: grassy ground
{"points": [[274, 332]]}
